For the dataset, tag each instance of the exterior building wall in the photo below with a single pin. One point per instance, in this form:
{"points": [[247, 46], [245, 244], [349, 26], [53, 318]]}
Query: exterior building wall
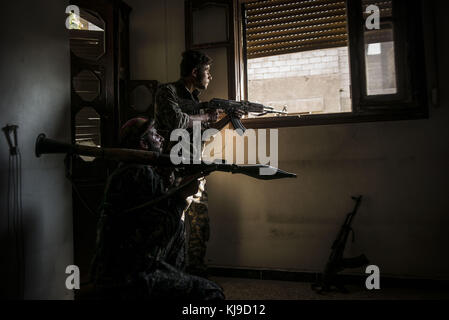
{"points": [[314, 81]]}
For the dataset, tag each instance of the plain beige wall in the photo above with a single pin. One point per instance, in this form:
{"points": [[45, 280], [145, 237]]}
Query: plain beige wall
{"points": [[156, 39], [400, 167]]}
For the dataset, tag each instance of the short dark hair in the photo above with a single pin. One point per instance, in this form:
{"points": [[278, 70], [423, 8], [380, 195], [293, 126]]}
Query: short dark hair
{"points": [[192, 59]]}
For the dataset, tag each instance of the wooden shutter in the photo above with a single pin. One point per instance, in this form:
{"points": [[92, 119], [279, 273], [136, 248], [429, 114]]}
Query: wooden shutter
{"points": [[276, 27]]}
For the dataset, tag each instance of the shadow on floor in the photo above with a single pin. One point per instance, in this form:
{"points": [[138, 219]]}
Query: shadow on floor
{"points": [[252, 289]]}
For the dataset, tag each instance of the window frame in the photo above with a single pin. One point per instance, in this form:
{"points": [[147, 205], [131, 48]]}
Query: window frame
{"points": [[229, 45], [410, 101]]}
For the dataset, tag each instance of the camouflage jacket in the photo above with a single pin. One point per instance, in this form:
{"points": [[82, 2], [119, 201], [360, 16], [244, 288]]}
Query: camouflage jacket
{"points": [[173, 105], [128, 242]]}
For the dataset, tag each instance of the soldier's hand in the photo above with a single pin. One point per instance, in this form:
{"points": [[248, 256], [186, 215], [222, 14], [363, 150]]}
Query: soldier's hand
{"points": [[238, 113], [212, 115]]}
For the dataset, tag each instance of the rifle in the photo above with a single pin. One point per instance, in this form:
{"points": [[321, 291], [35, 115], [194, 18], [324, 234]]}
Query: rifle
{"points": [[45, 145], [336, 262], [230, 106]]}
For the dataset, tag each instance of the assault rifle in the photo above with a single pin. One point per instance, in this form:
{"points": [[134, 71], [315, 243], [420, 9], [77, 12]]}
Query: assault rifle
{"points": [[230, 106], [336, 262]]}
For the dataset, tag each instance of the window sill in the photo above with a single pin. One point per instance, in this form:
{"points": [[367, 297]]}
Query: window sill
{"points": [[331, 118]]}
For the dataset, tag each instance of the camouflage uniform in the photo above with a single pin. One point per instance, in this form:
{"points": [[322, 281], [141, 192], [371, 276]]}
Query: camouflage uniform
{"points": [[197, 214], [174, 104], [140, 253]]}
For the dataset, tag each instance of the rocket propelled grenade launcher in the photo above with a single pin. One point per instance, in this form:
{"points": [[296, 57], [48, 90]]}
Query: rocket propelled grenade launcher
{"points": [[45, 145]]}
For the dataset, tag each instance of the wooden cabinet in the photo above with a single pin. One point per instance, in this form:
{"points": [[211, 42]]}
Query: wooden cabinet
{"points": [[99, 51]]}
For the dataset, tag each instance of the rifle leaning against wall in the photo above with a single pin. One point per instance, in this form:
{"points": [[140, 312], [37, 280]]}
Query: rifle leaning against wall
{"points": [[336, 262]]}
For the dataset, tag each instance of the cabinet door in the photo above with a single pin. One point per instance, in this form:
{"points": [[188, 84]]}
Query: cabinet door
{"points": [[139, 98]]}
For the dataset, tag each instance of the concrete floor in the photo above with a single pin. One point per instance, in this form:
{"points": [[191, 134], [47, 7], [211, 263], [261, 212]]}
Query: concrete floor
{"points": [[252, 289]]}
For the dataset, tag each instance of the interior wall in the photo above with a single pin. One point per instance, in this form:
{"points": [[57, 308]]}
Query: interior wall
{"points": [[399, 167], [35, 95], [156, 39]]}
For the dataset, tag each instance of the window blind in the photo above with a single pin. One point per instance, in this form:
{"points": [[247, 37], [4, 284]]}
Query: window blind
{"points": [[276, 27]]}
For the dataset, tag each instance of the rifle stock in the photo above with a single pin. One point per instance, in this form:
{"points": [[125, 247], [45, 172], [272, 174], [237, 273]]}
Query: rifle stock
{"points": [[355, 262]]}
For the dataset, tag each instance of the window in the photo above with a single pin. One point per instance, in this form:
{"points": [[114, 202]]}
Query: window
{"points": [[297, 55], [333, 61], [210, 28]]}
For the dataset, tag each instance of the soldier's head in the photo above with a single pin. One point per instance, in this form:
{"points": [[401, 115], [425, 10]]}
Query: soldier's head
{"points": [[140, 133], [195, 68]]}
